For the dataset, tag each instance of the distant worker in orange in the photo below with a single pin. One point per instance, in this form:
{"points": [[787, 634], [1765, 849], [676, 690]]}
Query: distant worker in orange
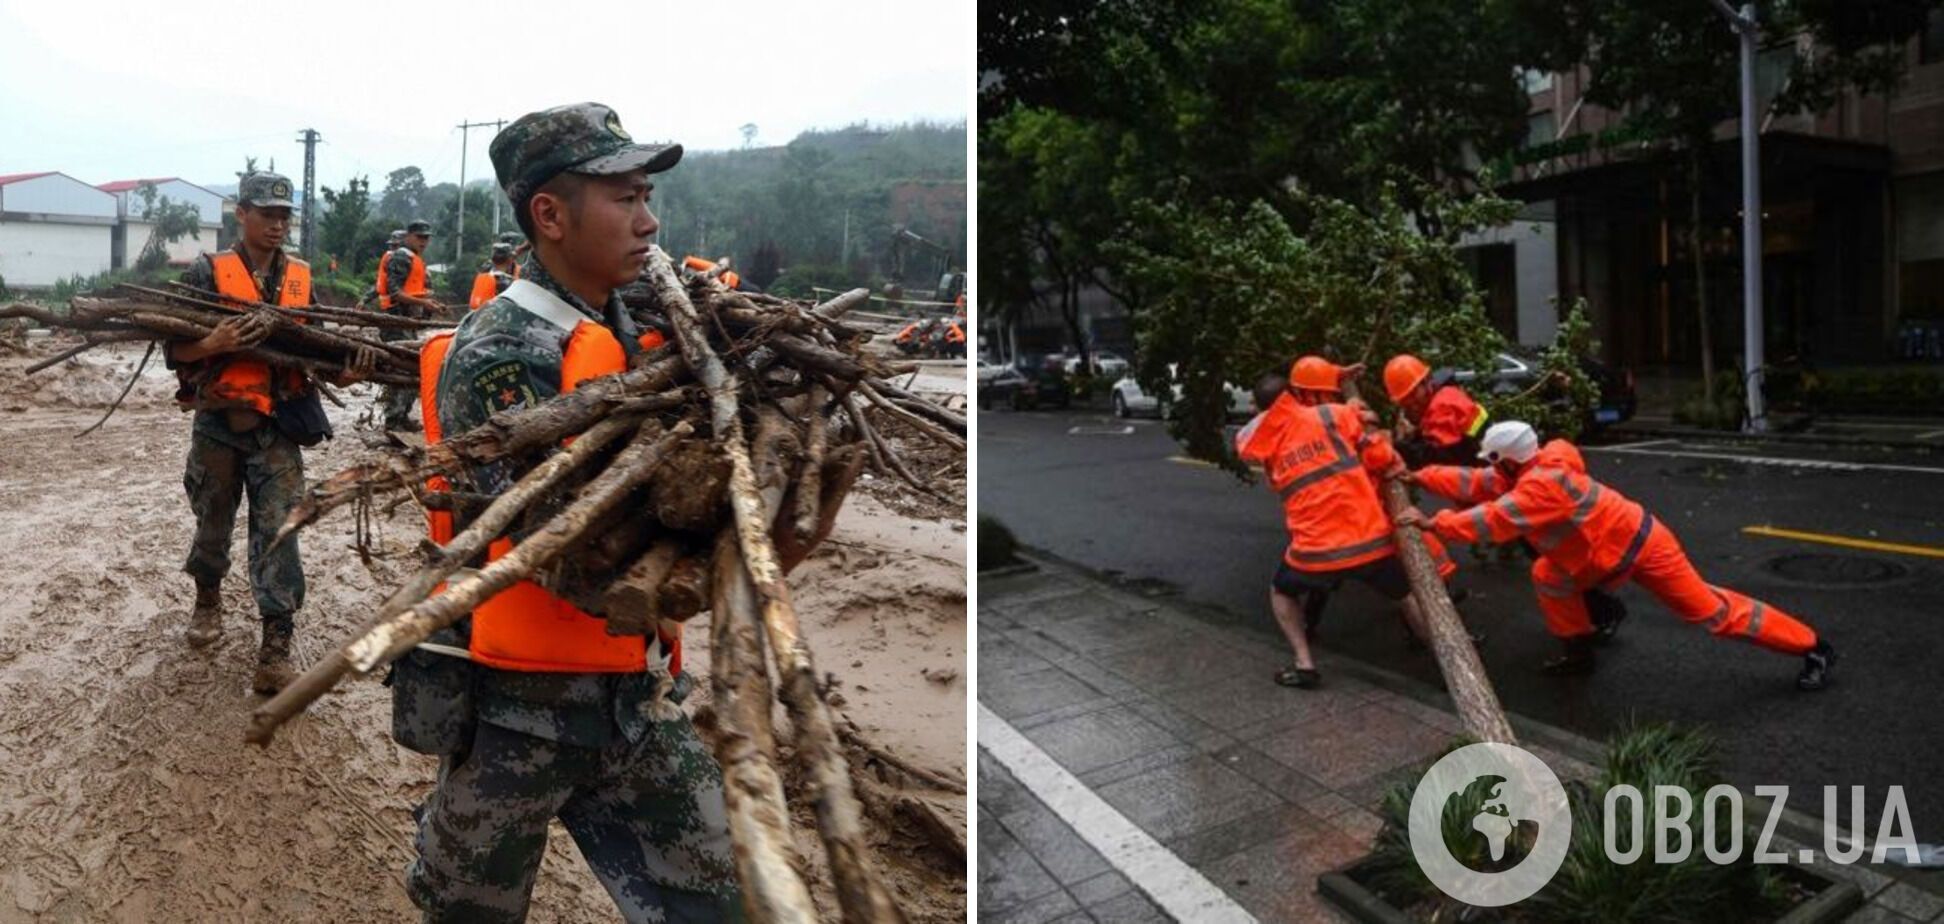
{"points": [[1589, 535], [495, 278], [1318, 457]]}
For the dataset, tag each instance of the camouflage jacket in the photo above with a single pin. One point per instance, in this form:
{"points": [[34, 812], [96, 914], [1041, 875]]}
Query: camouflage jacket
{"points": [[503, 357]]}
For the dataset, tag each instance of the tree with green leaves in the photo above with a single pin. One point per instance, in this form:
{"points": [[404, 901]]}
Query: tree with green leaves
{"points": [[169, 222], [345, 211], [403, 198]]}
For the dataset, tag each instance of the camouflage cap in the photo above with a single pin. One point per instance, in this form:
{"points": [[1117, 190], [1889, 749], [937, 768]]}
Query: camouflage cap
{"points": [[583, 138], [419, 227], [511, 238], [264, 189], [502, 250], [397, 236]]}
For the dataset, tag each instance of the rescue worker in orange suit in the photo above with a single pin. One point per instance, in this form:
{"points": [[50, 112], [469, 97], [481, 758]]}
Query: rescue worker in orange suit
{"points": [[1590, 535], [402, 288], [1318, 456], [495, 278], [252, 420], [1442, 425], [563, 720]]}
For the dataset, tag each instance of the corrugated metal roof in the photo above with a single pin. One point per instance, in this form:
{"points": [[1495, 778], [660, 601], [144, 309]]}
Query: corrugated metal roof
{"points": [[16, 177]]}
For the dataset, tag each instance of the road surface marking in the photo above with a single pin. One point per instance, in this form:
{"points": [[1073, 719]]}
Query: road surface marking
{"points": [[1635, 445], [1925, 436], [1083, 430], [1186, 895], [1188, 461], [1770, 460], [1845, 541]]}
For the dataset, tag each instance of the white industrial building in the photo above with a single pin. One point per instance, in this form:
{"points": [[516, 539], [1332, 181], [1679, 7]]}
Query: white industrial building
{"points": [[52, 227], [132, 232]]}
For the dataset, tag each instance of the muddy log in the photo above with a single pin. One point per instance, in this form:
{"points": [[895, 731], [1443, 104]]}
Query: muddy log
{"points": [[1464, 675], [630, 602], [631, 468], [839, 818], [759, 819], [464, 547]]}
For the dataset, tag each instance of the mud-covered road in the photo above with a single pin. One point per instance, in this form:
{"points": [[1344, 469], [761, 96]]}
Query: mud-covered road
{"points": [[126, 791]]}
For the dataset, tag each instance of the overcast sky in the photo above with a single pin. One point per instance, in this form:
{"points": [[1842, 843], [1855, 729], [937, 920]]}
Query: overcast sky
{"points": [[108, 91]]}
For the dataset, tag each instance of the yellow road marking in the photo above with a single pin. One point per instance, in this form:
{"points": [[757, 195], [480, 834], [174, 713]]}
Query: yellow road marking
{"points": [[1871, 544], [1187, 461]]}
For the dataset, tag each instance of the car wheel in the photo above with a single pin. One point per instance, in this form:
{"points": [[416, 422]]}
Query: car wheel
{"points": [[1120, 406]]}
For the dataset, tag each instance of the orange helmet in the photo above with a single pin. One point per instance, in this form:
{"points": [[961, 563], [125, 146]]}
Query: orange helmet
{"points": [[1315, 373], [1402, 374]]}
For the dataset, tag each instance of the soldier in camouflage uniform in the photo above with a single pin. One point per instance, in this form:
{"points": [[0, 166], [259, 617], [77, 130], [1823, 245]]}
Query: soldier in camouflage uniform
{"points": [[393, 242], [236, 452], [396, 268], [626, 774]]}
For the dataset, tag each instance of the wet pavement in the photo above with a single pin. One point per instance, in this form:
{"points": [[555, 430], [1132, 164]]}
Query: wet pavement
{"points": [[1115, 496], [1137, 763]]}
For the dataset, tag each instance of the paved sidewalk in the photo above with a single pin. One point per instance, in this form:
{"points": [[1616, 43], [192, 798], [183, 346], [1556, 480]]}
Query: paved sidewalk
{"points": [[1177, 726]]}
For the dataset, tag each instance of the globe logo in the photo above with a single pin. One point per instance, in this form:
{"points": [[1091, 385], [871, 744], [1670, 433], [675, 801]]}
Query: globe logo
{"points": [[1489, 824]]}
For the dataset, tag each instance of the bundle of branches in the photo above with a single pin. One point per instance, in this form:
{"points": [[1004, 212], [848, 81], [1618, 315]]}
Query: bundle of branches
{"points": [[318, 339], [695, 480]]}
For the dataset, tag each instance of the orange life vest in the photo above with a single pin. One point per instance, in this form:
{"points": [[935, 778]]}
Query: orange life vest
{"points": [[242, 381], [414, 280], [485, 287], [699, 265], [1315, 458], [954, 334], [525, 628], [1583, 526]]}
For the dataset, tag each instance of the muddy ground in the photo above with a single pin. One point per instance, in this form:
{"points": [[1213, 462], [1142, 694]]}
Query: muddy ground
{"points": [[128, 793]]}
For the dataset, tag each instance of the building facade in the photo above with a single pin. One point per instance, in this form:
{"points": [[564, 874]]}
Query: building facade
{"points": [[132, 232], [53, 227], [1852, 236]]}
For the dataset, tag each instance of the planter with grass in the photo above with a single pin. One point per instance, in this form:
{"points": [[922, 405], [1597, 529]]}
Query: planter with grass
{"points": [[1387, 886]]}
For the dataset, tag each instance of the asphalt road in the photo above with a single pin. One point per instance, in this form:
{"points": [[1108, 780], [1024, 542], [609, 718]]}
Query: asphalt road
{"points": [[1117, 496]]}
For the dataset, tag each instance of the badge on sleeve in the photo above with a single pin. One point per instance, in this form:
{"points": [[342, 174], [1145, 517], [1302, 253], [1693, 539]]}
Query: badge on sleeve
{"points": [[504, 385]]}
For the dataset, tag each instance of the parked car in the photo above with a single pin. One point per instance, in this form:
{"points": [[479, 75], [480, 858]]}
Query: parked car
{"points": [[1105, 363], [1513, 373], [1005, 386], [1130, 400], [1048, 373]]}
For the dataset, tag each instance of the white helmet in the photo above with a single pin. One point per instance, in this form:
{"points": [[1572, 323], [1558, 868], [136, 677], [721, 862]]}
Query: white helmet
{"points": [[1510, 441]]}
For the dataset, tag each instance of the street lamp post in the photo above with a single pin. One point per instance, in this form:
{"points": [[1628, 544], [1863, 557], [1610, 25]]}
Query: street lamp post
{"points": [[1743, 23]]}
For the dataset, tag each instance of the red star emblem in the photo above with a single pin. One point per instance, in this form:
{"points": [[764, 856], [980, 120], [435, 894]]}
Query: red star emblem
{"points": [[507, 396]]}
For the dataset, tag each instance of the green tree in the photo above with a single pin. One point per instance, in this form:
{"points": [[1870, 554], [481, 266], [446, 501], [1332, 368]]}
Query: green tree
{"points": [[345, 213], [403, 198], [170, 221]]}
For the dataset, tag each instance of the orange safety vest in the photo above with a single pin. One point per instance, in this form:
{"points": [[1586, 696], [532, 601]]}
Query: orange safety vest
{"points": [[248, 381], [954, 334], [1330, 504], [485, 287], [525, 628], [728, 277], [1584, 527], [1451, 416], [414, 280]]}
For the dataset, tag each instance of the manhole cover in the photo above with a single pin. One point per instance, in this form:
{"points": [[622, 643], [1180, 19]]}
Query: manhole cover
{"points": [[1842, 570]]}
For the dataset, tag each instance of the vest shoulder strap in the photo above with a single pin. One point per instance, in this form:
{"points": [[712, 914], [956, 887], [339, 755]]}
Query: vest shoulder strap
{"points": [[544, 304]]}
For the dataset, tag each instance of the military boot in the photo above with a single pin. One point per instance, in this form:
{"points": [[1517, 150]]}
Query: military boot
{"points": [[206, 620], [1574, 659], [1607, 613], [273, 671]]}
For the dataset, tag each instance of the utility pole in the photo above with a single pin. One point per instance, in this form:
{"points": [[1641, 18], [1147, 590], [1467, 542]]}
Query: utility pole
{"points": [[845, 258], [1744, 25], [310, 139], [497, 125], [459, 233]]}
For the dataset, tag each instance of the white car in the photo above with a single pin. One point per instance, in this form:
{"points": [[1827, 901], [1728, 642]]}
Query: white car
{"points": [[1107, 363], [1129, 399]]}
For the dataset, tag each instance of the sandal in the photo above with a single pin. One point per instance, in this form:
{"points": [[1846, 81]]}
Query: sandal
{"points": [[1302, 678]]}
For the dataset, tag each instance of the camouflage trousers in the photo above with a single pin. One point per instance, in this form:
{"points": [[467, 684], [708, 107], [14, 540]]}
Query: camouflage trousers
{"points": [[218, 476], [397, 401], [647, 815]]}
